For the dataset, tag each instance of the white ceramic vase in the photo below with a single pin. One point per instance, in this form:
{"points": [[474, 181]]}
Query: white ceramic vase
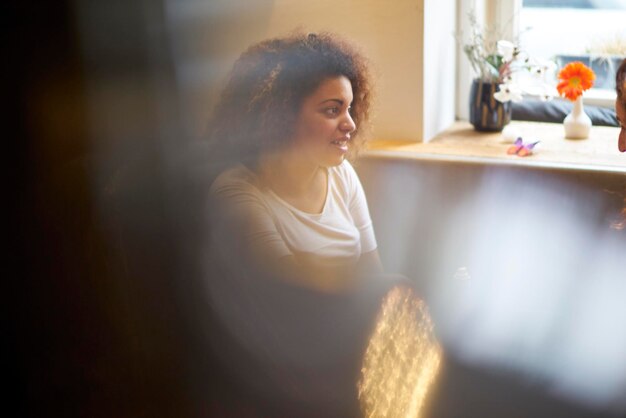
{"points": [[577, 124]]}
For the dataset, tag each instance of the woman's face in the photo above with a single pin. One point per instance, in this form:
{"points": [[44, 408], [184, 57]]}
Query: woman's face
{"points": [[324, 124], [620, 110]]}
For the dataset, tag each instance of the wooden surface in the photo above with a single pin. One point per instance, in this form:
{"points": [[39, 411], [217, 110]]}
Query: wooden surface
{"points": [[462, 143]]}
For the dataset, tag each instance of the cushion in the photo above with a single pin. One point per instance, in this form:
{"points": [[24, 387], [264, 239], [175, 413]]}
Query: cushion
{"points": [[556, 110]]}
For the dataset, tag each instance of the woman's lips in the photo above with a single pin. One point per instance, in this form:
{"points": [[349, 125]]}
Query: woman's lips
{"points": [[342, 144]]}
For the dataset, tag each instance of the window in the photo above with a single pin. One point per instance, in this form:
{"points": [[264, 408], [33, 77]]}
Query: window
{"points": [[565, 28], [591, 31]]}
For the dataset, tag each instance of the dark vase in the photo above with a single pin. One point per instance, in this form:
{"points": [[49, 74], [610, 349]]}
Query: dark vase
{"points": [[486, 113]]}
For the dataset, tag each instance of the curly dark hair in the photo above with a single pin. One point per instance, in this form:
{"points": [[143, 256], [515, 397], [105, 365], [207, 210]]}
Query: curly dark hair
{"points": [[620, 82], [259, 106]]}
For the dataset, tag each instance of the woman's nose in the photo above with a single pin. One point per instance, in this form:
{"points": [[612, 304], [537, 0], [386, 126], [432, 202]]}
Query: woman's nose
{"points": [[347, 124]]}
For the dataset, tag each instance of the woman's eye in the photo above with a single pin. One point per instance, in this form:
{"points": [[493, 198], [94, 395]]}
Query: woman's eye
{"points": [[331, 111]]}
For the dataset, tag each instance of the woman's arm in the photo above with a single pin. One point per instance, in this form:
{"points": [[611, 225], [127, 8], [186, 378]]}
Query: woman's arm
{"points": [[370, 264], [314, 273]]}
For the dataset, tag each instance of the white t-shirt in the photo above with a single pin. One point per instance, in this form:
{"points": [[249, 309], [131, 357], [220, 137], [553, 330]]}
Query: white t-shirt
{"points": [[338, 235]]}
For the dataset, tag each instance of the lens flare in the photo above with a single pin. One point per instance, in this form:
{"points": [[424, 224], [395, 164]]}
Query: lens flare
{"points": [[402, 358]]}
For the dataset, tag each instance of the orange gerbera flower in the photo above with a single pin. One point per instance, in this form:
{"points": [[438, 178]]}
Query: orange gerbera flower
{"points": [[575, 78]]}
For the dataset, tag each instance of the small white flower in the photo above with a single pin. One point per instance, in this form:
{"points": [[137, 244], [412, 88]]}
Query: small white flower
{"points": [[508, 92], [544, 91], [548, 92], [543, 69], [507, 49]]}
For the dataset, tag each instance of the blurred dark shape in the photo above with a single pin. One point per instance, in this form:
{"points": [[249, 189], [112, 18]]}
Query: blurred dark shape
{"points": [[110, 315], [291, 351], [97, 318]]}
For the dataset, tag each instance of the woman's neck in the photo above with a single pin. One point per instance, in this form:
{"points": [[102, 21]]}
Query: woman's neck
{"points": [[288, 173]]}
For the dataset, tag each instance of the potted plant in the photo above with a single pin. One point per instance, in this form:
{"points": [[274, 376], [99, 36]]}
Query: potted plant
{"points": [[495, 62], [574, 79]]}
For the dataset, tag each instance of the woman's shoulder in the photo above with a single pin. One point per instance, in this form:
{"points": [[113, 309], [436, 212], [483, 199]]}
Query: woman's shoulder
{"points": [[238, 177], [344, 179], [344, 169], [344, 173]]}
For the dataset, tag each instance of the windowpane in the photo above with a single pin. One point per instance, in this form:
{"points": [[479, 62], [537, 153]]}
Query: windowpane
{"points": [[576, 4], [592, 31]]}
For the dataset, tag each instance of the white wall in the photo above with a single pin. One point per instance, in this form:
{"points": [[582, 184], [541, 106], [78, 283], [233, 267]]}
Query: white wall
{"points": [[390, 34], [439, 66], [209, 35]]}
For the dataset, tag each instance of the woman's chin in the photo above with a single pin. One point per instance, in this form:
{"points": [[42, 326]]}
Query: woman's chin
{"points": [[337, 155], [333, 162]]}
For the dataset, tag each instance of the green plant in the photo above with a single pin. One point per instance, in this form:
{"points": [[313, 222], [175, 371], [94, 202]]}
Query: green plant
{"points": [[495, 60], [483, 53]]}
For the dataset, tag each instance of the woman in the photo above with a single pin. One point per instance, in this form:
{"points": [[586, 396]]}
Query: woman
{"points": [[294, 109], [297, 287], [620, 104]]}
